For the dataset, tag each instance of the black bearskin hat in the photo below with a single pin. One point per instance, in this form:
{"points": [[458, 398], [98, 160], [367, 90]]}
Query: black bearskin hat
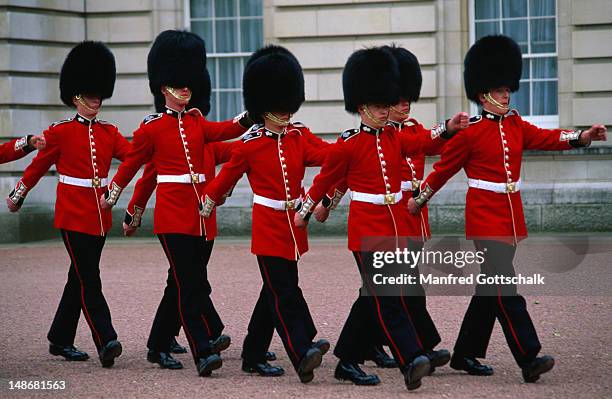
{"points": [[411, 79], [200, 97], [273, 82], [370, 77], [492, 62], [89, 68], [176, 59]]}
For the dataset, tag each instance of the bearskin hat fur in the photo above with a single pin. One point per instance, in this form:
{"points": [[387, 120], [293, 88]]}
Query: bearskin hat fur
{"points": [[492, 62], [370, 77], [89, 68]]}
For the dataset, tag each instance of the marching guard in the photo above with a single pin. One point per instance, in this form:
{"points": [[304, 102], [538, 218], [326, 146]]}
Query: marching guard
{"points": [[174, 141], [369, 158], [81, 148], [412, 170], [490, 151], [274, 155]]}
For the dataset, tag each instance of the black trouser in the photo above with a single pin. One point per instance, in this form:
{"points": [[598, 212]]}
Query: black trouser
{"points": [[167, 322], [83, 291], [281, 305], [414, 303], [188, 292], [393, 327], [496, 301]]}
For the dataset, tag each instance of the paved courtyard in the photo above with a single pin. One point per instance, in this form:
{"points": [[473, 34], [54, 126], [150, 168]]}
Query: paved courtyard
{"points": [[577, 330]]}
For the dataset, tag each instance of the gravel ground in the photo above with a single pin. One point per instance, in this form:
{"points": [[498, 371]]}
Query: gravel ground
{"points": [[577, 330]]}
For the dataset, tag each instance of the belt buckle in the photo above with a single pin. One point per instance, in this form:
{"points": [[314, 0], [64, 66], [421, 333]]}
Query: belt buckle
{"points": [[195, 178], [290, 204], [389, 199], [511, 187], [416, 184], [96, 182]]}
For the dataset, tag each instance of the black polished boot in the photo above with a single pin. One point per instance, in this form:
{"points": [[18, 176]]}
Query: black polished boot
{"points": [[164, 359], [346, 371], [68, 352], [541, 365], [109, 352], [264, 369], [176, 348], [471, 365], [437, 358], [220, 344], [322, 345], [270, 356], [311, 360], [206, 365], [415, 371], [381, 358]]}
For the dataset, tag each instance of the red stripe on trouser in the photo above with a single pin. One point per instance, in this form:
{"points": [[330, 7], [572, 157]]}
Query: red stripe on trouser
{"points": [[296, 357], [85, 311], [178, 288], [501, 305], [416, 334], [380, 319], [206, 325]]}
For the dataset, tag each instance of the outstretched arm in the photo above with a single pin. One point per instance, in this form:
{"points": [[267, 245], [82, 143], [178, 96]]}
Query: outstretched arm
{"points": [[33, 173]]}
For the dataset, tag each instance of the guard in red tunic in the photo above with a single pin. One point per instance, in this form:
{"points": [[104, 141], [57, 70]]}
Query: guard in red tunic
{"points": [[369, 158], [413, 302], [19, 148], [174, 141], [81, 148], [274, 155], [490, 152]]}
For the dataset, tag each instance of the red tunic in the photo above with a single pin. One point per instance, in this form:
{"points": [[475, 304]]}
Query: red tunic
{"points": [[15, 149], [356, 158], [275, 166], [175, 144], [82, 149], [491, 149], [214, 154]]}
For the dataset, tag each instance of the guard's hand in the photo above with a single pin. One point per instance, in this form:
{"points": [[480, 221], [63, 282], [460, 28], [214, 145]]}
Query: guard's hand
{"points": [[38, 142], [299, 222], [128, 231], [321, 213], [459, 121], [413, 208], [103, 203], [11, 206], [595, 133]]}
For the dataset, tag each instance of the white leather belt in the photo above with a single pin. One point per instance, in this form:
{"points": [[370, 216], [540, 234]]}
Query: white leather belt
{"points": [[377, 199], [513, 187], [410, 185], [276, 204], [187, 179], [75, 181]]}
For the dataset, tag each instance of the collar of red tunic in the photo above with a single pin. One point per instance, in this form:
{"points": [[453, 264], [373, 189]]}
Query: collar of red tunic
{"points": [[173, 113], [370, 129], [81, 119], [496, 117]]}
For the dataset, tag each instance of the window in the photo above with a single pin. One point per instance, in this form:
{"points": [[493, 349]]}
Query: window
{"points": [[232, 30], [533, 24]]}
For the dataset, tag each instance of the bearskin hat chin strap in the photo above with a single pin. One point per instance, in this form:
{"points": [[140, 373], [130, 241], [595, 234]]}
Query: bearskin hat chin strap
{"points": [[175, 94], [366, 111], [82, 101], [275, 119], [406, 114], [493, 101]]}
